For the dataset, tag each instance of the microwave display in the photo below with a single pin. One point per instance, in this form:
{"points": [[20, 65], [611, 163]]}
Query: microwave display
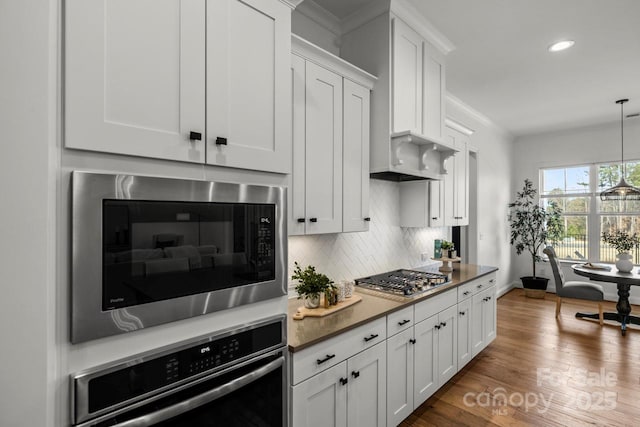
{"points": [[154, 251]]}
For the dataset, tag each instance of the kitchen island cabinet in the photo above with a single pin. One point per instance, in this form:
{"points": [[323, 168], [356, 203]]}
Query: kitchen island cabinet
{"points": [[420, 338]]}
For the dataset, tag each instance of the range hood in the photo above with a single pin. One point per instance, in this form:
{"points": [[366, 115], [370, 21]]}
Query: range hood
{"points": [[414, 157]]}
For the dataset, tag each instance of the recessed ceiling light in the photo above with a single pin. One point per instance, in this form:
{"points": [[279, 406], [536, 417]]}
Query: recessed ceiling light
{"points": [[561, 45]]}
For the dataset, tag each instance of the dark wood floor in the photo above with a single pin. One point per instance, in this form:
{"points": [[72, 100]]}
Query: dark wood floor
{"points": [[544, 372]]}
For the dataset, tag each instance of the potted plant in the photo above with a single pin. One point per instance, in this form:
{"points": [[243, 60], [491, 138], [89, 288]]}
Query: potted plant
{"points": [[532, 226], [311, 284], [622, 242], [449, 248]]}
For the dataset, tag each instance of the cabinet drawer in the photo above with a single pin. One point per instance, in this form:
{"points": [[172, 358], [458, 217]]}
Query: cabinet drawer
{"points": [[478, 285], [434, 305], [399, 321], [321, 356]]}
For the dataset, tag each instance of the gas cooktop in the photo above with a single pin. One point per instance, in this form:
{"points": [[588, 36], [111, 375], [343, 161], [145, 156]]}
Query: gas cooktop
{"points": [[404, 282]]}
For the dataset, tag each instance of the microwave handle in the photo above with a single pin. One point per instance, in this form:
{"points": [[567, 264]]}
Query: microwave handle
{"points": [[204, 398]]}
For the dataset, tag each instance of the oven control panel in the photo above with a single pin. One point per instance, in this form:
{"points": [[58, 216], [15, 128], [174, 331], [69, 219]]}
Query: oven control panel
{"points": [[140, 376]]}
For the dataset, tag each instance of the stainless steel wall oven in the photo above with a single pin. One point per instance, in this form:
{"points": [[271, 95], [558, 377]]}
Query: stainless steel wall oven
{"points": [[236, 378], [147, 251]]}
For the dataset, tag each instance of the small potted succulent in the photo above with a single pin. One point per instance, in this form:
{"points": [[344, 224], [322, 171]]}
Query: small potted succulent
{"points": [[311, 285], [622, 242], [449, 249]]}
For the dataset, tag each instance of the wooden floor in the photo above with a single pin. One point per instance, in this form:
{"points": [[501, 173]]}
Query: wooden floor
{"points": [[540, 371]]}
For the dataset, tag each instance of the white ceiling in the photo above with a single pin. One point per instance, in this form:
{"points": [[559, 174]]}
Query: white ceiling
{"points": [[501, 66]]}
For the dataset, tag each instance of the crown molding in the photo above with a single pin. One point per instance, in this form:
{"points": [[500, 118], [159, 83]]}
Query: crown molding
{"points": [[292, 3], [475, 115], [325, 59], [456, 125], [321, 16], [405, 11]]}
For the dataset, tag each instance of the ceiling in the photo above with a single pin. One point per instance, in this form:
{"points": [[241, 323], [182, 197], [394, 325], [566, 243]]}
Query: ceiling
{"points": [[501, 66]]}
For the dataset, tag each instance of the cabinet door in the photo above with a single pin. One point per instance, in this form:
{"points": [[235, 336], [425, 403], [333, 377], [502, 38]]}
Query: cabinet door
{"points": [[426, 363], [135, 77], [461, 191], [323, 151], [407, 78], [436, 203], [433, 106], [477, 333], [356, 157], [367, 391], [248, 86], [321, 401], [489, 315], [447, 344], [464, 332], [400, 376], [296, 193]]}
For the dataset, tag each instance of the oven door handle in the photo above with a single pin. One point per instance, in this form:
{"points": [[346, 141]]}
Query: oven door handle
{"points": [[204, 398]]}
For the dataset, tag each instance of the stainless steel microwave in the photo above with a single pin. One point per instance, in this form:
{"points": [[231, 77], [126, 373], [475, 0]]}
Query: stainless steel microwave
{"points": [[147, 251]]}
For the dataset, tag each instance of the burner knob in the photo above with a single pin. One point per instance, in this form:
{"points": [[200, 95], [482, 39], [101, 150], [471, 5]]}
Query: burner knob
{"points": [[407, 291]]}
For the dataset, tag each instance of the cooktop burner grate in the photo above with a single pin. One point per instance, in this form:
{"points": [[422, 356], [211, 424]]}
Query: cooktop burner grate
{"points": [[404, 282]]}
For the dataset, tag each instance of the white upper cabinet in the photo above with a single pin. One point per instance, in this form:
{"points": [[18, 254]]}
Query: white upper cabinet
{"points": [[408, 107], [329, 189], [135, 85], [140, 75], [456, 183], [248, 85]]}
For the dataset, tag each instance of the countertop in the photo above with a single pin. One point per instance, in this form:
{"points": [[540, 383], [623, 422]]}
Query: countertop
{"points": [[311, 330]]}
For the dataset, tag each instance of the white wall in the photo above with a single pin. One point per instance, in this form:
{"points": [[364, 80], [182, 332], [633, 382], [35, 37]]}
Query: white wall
{"points": [[27, 114], [494, 187], [592, 144]]}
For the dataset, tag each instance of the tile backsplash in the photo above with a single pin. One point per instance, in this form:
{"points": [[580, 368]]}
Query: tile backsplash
{"points": [[386, 246]]}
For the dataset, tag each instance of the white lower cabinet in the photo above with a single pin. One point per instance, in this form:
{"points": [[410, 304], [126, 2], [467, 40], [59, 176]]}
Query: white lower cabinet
{"points": [[351, 393], [377, 374]]}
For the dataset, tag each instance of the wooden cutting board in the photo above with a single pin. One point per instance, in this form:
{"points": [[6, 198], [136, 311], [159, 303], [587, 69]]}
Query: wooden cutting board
{"points": [[303, 312]]}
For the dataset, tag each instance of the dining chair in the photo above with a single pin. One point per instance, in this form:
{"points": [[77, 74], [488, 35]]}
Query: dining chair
{"points": [[573, 289]]}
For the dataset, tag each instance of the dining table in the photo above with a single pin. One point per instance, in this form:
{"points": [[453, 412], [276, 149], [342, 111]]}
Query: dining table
{"points": [[624, 281]]}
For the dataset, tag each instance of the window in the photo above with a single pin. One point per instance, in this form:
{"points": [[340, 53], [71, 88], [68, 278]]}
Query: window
{"points": [[576, 190]]}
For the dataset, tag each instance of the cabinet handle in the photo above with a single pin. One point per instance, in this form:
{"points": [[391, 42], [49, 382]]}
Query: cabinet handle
{"points": [[329, 357], [466, 293], [302, 220], [479, 286], [313, 219], [492, 281], [370, 337], [443, 324], [404, 322], [438, 326], [355, 374], [433, 218], [344, 381], [462, 313], [367, 219], [195, 136], [412, 341], [221, 141]]}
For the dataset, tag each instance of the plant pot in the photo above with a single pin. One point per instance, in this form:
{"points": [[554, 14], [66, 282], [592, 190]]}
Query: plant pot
{"points": [[534, 287], [312, 301], [453, 254], [624, 263]]}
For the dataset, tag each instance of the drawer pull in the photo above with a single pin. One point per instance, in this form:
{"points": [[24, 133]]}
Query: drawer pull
{"points": [[404, 322], [221, 141], [313, 219], [479, 286], [301, 220], [368, 219], [355, 374], [462, 313], [443, 324], [433, 218], [465, 293], [412, 341], [344, 381], [438, 326], [195, 136], [329, 357], [492, 281], [370, 337]]}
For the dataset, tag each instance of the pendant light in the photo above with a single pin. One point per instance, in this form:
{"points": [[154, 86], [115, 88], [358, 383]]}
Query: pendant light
{"points": [[622, 191]]}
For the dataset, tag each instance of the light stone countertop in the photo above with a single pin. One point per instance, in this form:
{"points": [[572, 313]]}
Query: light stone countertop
{"points": [[312, 330]]}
